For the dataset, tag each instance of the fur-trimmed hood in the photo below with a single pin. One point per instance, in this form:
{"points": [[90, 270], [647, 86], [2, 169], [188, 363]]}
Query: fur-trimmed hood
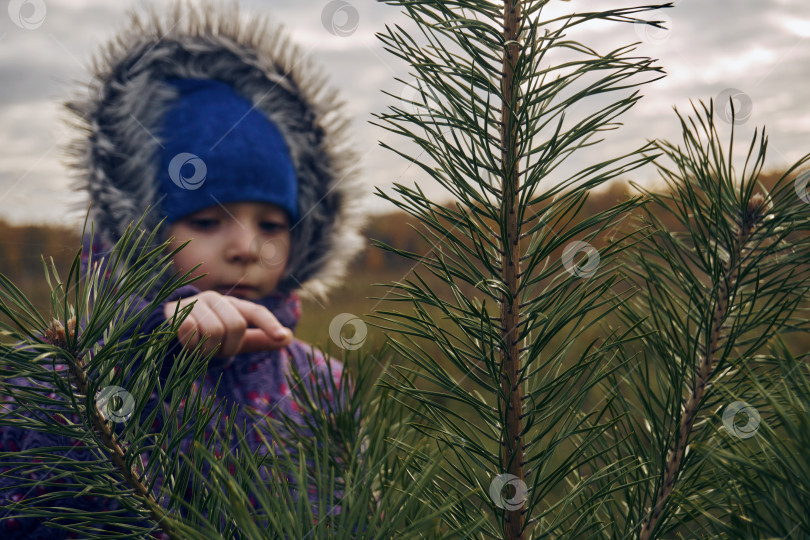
{"points": [[115, 153]]}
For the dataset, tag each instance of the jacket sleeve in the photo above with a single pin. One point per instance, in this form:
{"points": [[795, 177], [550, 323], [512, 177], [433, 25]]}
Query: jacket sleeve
{"points": [[14, 440]]}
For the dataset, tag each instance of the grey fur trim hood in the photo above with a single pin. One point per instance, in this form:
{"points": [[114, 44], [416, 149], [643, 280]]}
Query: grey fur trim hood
{"points": [[121, 107]]}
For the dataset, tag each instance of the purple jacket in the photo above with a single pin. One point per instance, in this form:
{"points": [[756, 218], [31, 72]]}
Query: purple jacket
{"points": [[252, 380]]}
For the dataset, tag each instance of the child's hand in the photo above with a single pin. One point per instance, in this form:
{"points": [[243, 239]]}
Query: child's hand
{"points": [[225, 319]]}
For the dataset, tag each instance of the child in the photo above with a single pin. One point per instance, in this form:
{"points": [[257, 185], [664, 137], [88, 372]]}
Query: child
{"points": [[221, 128]]}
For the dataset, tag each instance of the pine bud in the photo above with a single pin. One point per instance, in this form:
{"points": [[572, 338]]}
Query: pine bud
{"points": [[758, 205], [755, 203], [55, 333], [71, 327]]}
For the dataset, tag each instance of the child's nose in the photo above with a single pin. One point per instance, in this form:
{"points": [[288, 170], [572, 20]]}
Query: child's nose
{"points": [[241, 245]]}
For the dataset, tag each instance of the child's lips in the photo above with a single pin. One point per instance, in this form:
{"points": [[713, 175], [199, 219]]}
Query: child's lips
{"points": [[236, 289]]}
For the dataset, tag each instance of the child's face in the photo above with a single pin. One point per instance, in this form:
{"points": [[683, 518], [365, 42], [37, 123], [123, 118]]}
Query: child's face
{"points": [[243, 243]]}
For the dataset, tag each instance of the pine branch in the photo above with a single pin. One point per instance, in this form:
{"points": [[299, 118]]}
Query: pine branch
{"points": [[711, 293], [91, 349], [56, 333], [739, 250]]}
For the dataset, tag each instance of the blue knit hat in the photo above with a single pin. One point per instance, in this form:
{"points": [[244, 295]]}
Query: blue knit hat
{"points": [[218, 148]]}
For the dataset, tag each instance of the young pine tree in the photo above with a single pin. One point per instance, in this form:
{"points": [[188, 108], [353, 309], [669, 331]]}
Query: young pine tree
{"points": [[561, 426]]}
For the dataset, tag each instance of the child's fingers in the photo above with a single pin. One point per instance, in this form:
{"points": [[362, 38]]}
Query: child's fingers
{"points": [[206, 324], [269, 334], [224, 321], [261, 317], [258, 340], [229, 328], [188, 335]]}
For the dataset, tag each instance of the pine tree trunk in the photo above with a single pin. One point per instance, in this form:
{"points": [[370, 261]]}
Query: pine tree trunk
{"points": [[510, 307]]}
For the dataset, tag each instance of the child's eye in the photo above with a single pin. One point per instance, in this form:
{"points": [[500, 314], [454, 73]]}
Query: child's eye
{"points": [[203, 223], [273, 226]]}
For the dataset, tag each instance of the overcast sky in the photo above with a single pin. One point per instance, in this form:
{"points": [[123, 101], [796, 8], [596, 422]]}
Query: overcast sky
{"points": [[753, 47]]}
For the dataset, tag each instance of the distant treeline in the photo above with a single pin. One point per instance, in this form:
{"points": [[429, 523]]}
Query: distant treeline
{"points": [[21, 247]]}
